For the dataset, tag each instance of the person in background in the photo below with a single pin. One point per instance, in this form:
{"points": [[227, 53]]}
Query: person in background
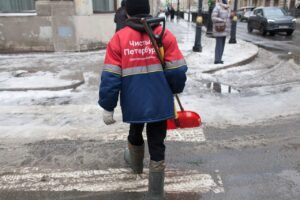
{"points": [[167, 12], [221, 18], [172, 12], [133, 71], [121, 16]]}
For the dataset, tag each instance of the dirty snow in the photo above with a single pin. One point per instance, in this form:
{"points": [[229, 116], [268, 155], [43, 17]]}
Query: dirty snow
{"points": [[268, 88], [25, 79]]}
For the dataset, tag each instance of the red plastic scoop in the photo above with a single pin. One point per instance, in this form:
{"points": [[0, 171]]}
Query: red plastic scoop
{"points": [[185, 119]]}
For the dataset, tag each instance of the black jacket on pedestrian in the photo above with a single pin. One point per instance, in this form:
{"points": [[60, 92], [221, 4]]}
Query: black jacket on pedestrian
{"points": [[120, 18]]}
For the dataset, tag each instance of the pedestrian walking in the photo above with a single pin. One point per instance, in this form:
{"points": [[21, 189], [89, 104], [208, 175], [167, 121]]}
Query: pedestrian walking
{"points": [[221, 27], [121, 16], [167, 12], [172, 13], [133, 71]]}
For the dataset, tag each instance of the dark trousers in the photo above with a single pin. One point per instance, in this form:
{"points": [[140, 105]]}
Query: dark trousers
{"points": [[220, 44], [156, 134]]}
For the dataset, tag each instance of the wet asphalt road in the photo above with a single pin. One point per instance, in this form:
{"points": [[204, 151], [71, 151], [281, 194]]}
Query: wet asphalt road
{"points": [[260, 162], [257, 162], [280, 42]]}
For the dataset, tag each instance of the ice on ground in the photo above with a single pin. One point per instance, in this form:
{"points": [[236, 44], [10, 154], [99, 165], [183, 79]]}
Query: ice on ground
{"points": [[25, 79], [263, 94]]}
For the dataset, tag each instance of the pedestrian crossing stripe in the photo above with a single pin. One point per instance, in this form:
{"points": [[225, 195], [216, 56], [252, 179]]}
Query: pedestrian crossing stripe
{"points": [[184, 135], [69, 132], [118, 131], [112, 179]]}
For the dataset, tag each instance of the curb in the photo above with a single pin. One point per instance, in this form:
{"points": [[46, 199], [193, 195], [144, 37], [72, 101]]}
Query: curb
{"points": [[243, 62], [57, 88]]}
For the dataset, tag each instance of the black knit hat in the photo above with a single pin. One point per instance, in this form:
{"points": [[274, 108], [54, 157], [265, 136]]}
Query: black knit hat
{"points": [[123, 3], [135, 7]]}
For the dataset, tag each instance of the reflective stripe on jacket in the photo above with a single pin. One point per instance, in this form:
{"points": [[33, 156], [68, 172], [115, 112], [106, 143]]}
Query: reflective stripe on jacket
{"points": [[133, 70]]}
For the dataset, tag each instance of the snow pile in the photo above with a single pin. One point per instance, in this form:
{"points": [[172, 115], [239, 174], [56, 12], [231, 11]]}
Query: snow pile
{"points": [[24, 79], [268, 87]]}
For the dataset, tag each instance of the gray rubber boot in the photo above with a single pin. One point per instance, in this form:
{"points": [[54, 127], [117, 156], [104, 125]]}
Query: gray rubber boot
{"points": [[156, 181], [134, 157]]}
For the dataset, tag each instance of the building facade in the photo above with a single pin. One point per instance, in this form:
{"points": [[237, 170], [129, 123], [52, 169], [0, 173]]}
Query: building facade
{"points": [[192, 5], [57, 25], [289, 4], [186, 5]]}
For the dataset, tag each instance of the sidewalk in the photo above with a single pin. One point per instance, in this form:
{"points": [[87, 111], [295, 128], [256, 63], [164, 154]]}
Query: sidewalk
{"points": [[234, 54], [51, 71]]}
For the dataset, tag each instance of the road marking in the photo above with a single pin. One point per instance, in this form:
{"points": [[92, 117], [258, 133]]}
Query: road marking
{"points": [[112, 179], [97, 133], [188, 135], [61, 122], [180, 135]]}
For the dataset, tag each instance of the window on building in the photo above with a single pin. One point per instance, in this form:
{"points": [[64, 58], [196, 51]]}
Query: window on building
{"points": [[17, 6], [254, 3], [101, 6]]}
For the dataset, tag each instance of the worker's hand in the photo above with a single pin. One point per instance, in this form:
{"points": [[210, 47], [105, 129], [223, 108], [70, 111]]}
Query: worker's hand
{"points": [[108, 117]]}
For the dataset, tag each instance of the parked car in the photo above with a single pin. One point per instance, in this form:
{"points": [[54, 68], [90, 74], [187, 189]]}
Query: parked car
{"points": [[242, 11], [246, 16], [272, 20]]}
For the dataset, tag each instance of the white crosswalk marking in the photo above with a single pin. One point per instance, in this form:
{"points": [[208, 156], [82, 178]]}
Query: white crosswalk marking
{"points": [[55, 122], [184, 135], [107, 180], [188, 135]]}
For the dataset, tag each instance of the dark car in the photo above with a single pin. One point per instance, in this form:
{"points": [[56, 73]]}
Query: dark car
{"points": [[241, 12], [272, 20], [246, 16]]}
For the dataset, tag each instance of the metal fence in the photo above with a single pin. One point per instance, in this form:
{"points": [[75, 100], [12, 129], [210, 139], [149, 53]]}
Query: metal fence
{"points": [[17, 6]]}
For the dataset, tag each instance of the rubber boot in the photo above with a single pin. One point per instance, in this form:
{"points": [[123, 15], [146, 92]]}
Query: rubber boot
{"points": [[156, 181], [134, 157]]}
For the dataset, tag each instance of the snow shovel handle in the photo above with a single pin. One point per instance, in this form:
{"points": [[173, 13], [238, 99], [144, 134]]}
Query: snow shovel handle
{"points": [[156, 20], [156, 41], [179, 103]]}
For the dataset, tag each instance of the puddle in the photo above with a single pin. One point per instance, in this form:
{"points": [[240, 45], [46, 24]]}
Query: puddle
{"points": [[220, 88]]}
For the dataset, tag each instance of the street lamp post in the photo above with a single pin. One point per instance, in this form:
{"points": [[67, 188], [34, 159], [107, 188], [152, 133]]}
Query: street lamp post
{"points": [[177, 8], [232, 39], [197, 46], [189, 17]]}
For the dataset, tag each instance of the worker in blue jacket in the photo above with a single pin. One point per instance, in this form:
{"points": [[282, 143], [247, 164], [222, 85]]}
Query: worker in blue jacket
{"points": [[133, 71]]}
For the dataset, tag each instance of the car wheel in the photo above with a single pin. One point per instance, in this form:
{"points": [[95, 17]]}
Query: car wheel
{"points": [[289, 33], [250, 29], [272, 33], [263, 31]]}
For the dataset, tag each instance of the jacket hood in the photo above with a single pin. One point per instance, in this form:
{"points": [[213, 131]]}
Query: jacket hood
{"points": [[225, 6], [136, 24]]}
